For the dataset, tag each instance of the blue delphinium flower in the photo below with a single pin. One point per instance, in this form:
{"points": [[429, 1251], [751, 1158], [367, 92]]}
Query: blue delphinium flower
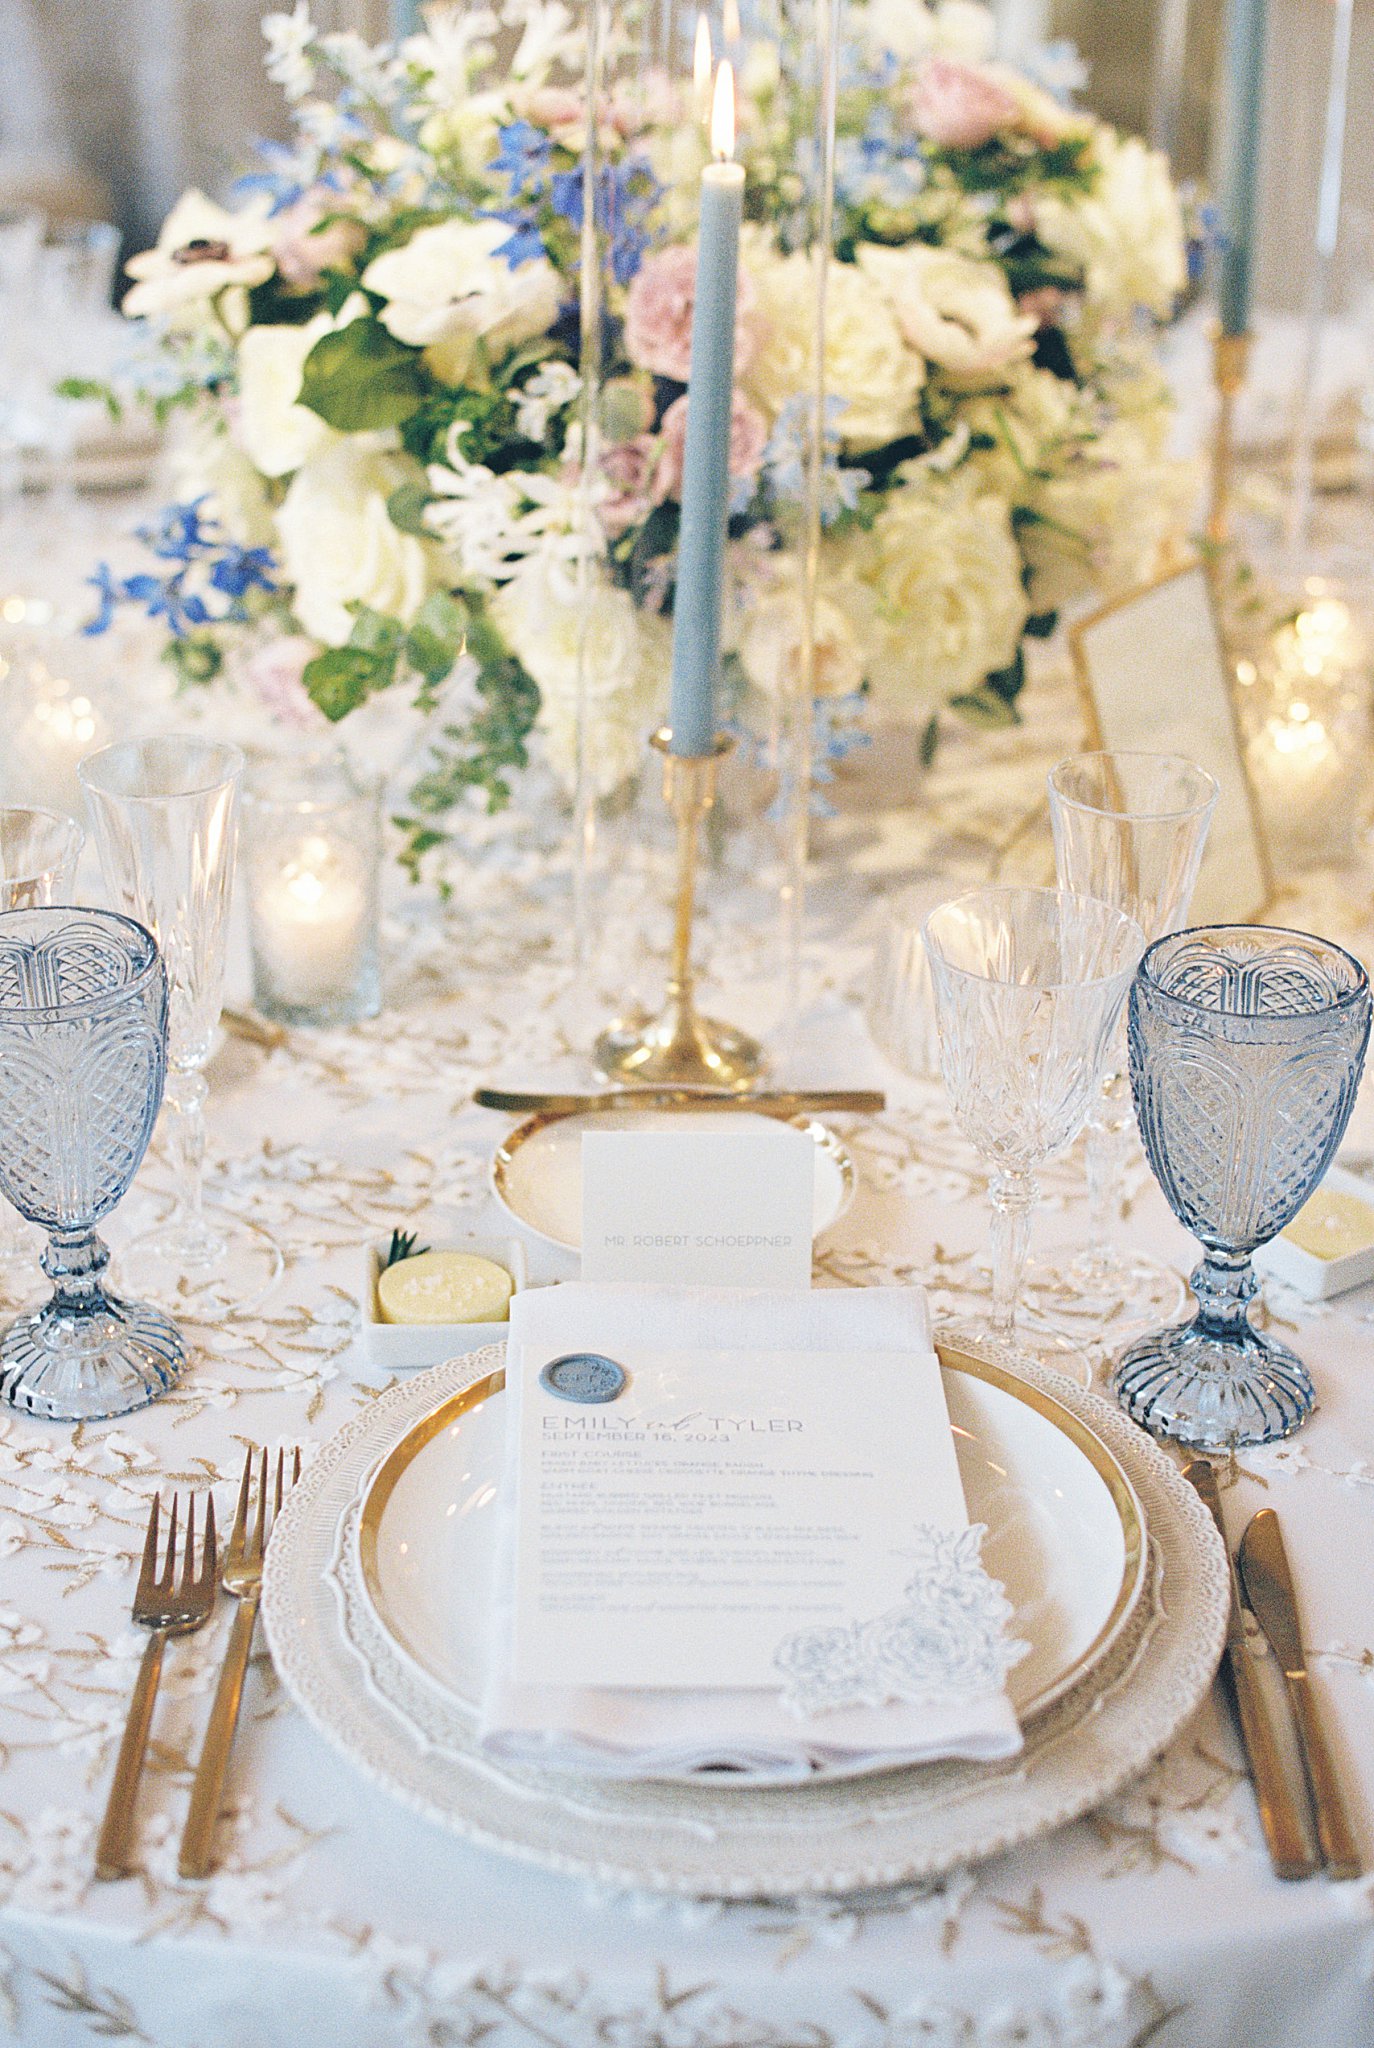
{"points": [[786, 457], [522, 157], [205, 561]]}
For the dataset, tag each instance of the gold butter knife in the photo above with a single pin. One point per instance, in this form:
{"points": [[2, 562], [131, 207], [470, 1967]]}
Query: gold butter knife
{"points": [[1290, 1850], [772, 1102], [1268, 1586]]}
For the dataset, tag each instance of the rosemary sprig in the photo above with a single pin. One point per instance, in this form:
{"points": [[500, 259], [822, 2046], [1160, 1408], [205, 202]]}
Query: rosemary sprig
{"points": [[402, 1246]]}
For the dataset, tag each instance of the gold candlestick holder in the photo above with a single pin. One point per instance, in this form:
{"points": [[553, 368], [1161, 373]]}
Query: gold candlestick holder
{"points": [[1230, 356], [679, 1047]]}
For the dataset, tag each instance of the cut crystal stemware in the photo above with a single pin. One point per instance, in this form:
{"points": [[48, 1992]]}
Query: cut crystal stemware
{"points": [[1246, 1048], [165, 817], [1129, 829], [83, 1053], [38, 854], [1028, 987]]}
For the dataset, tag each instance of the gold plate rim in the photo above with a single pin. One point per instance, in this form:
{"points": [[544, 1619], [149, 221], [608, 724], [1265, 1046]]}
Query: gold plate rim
{"points": [[389, 1472], [822, 1137]]}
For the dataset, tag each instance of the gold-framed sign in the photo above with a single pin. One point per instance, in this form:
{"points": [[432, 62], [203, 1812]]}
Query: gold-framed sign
{"points": [[1154, 678]]}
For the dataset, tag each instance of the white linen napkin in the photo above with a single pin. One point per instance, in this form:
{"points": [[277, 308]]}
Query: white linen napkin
{"points": [[624, 1732]]}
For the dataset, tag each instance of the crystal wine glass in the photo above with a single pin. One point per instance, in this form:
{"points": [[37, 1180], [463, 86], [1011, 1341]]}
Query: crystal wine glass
{"points": [[83, 1054], [1028, 987], [1246, 1046], [1129, 829], [38, 855], [165, 816]]}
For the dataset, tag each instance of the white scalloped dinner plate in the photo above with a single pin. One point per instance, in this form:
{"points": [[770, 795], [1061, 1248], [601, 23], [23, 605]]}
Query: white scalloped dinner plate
{"points": [[536, 1170], [1065, 1535], [407, 1734]]}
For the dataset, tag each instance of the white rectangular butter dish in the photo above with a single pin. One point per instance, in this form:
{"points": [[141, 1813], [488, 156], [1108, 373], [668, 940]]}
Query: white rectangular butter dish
{"points": [[405, 1347], [1315, 1273]]}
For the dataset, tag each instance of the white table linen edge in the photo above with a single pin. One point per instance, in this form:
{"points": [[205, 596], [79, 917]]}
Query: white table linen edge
{"points": [[632, 1733]]}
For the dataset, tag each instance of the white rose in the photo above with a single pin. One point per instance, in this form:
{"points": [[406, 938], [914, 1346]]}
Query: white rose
{"points": [[1034, 428], [203, 460], [904, 29], [277, 434], [1112, 516], [1126, 235], [202, 250], [867, 363], [957, 312], [965, 29], [946, 573], [772, 642], [447, 289], [338, 545], [626, 652]]}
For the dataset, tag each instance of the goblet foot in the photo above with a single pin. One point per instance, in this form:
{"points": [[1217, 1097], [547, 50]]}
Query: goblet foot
{"points": [[1033, 1337], [1100, 1285], [1213, 1393], [107, 1358], [208, 1266]]}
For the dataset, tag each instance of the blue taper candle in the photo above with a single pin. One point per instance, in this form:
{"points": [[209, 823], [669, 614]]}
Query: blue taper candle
{"points": [[1245, 46], [706, 457]]}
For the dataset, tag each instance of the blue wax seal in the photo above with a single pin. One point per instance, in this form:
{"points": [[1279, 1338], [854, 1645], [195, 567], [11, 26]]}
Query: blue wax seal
{"points": [[583, 1376]]}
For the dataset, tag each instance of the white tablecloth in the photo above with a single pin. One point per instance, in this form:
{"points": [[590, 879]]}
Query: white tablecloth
{"points": [[336, 1916]]}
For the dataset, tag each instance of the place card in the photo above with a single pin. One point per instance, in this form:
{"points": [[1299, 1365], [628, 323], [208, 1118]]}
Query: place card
{"points": [[726, 1208], [719, 1507]]}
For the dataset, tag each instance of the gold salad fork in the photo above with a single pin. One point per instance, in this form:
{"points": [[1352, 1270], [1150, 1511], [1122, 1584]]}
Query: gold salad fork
{"points": [[167, 1606], [242, 1578]]}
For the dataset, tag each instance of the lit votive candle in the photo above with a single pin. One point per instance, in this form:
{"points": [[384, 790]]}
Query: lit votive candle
{"points": [[313, 850]]}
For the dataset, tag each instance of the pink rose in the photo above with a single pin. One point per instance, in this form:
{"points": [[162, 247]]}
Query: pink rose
{"points": [[957, 106], [658, 315], [558, 109], [748, 439], [303, 255], [275, 672], [629, 468]]}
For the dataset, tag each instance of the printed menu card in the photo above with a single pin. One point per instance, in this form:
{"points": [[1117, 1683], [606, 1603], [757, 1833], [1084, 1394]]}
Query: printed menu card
{"points": [[734, 1534]]}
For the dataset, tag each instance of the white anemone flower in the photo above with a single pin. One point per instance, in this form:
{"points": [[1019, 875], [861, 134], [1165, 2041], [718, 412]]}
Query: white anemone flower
{"points": [[202, 249]]}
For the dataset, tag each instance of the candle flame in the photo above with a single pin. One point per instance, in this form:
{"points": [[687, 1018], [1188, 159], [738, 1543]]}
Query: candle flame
{"points": [[723, 115], [730, 21], [701, 64]]}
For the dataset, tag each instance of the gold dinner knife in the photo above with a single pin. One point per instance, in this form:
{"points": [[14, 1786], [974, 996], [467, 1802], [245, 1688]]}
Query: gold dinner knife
{"points": [[1268, 1586], [773, 1102], [1290, 1851]]}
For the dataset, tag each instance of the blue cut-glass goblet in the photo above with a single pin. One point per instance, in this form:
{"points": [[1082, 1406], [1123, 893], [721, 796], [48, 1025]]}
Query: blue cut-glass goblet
{"points": [[83, 1057], [1246, 1048]]}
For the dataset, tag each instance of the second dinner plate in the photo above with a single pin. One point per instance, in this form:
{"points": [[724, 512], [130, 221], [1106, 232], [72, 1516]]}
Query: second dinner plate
{"points": [[536, 1173], [1065, 1534]]}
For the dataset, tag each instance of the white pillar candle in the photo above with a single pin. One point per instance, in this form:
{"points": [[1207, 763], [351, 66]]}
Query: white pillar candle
{"points": [[310, 923]]}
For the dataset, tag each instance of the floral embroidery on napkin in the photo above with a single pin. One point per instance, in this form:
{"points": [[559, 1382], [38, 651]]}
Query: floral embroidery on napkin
{"points": [[947, 1641]]}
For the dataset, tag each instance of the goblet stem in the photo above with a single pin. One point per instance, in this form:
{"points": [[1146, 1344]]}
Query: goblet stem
{"points": [[74, 1260], [1104, 1157], [1013, 1197], [1224, 1289], [185, 1097]]}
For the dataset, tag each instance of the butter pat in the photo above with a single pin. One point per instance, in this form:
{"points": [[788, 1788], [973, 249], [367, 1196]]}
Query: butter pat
{"points": [[445, 1287], [1333, 1224], [1328, 1246]]}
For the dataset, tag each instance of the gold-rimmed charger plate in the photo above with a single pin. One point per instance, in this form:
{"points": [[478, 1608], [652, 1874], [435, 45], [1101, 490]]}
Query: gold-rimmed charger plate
{"points": [[1065, 1532], [536, 1171]]}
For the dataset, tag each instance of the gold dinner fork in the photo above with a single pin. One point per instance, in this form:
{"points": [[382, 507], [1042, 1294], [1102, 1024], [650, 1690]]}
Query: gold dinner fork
{"points": [[167, 1606], [242, 1578]]}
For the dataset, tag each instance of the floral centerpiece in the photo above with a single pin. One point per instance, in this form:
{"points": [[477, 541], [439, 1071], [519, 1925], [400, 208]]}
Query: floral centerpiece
{"points": [[387, 517]]}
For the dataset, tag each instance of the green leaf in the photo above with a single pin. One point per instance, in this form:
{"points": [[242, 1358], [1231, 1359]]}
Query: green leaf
{"points": [[376, 632], [91, 387], [985, 707], [1008, 683], [1040, 625], [930, 739], [361, 379], [406, 509], [196, 657], [342, 678], [437, 636]]}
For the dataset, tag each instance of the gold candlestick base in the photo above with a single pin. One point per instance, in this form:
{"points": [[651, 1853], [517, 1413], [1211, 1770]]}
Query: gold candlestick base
{"points": [[1230, 355], [678, 1047]]}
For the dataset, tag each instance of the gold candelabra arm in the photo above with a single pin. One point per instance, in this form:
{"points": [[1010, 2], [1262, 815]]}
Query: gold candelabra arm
{"points": [[679, 1047], [1230, 358]]}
